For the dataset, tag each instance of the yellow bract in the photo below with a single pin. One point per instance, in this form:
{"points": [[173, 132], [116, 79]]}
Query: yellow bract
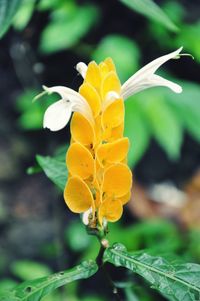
{"points": [[77, 195], [113, 114], [80, 161], [109, 84], [93, 75], [81, 130], [106, 153], [92, 97], [111, 210], [117, 180], [99, 177]]}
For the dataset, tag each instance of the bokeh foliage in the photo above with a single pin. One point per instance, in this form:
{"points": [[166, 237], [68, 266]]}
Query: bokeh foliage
{"points": [[154, 114]]}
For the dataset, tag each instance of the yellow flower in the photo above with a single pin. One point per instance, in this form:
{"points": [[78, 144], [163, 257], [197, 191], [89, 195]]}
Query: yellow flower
{"points": [[99, 180]]}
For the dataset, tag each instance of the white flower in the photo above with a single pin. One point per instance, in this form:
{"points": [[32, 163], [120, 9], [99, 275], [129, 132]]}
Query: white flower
{"points": [[146, 78], [58, 114]]}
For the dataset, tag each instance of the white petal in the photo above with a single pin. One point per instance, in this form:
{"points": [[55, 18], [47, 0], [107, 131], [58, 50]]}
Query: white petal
{"points": [[57, 115], [78, 102], [145, 77], [82, 69], [86, 216]]}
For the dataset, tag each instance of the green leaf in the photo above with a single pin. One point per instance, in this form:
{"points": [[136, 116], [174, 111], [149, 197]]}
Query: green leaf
{"points": [[7, 284], [189, 38], [124, 52], [24, 14], [35, 290], [69, 24], [136, 129], [186, 107], [27, 270], [163, 122], [31, 113], [8, 10], [177, 282], [151, 10], [55, 169]]}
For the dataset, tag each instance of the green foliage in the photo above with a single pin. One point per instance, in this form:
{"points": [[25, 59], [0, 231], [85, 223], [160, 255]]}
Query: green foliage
{"points": [[113, 46], [23, 14], [151, 10], [77, 237], [54, 169], [136, 129], [189, 37], [28, 270], [7, 284], [35, 290], [8, 10], [72, 22], [163, 123], [177, 282], [31, 113]]}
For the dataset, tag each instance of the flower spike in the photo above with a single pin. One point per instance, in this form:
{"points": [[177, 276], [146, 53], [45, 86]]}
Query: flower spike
{"points": [[99, 181]]}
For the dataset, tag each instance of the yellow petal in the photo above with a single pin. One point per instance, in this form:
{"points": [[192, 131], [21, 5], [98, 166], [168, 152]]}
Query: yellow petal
{"points": [[125, 198], [81, 130], [80, 161], [103, 69], [77, 195], [93, 75], [117, 180], [113, 152], [113, 114], [111, 210], [92, 97], [110, 83], [109, 62], [118, 131]]}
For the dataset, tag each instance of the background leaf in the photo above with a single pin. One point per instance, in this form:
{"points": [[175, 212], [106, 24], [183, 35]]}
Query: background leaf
{"points": [[55, 169], [136, 129], [35, 290], [72, 23], [22, 268], [177, 282], [24, 14], [152, 11], [8, 10]]}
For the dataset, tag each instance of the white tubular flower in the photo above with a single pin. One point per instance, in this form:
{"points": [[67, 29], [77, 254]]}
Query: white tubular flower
{"points": [[146, 78], [58, 114], [82, 69]]}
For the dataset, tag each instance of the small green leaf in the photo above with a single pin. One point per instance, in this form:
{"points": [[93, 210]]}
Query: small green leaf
{"points": [[136, 129], [54, 169], [8, 10], [114, 46], [177, 282], [67, 27], [35, 290], [27, 270], [151, 10]]}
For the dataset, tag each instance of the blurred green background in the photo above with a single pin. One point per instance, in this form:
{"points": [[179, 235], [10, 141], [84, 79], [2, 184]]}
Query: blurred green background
{"points": [[41, 43]]}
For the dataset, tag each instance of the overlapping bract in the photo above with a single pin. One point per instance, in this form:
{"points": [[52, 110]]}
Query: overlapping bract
{"points": [[99, 178]]}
